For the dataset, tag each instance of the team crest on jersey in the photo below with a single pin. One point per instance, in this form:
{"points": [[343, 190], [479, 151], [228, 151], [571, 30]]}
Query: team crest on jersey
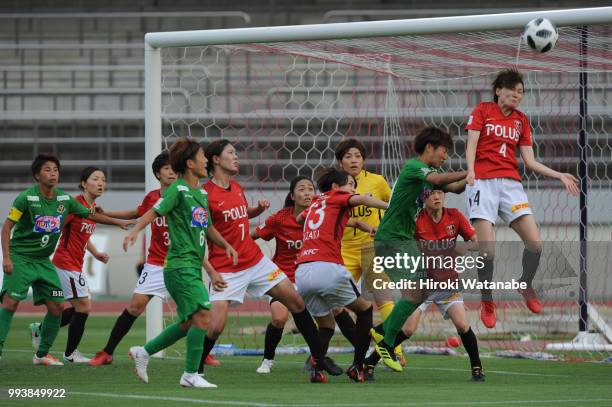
{"points": [[451, 229], [199, 217], [60, 209], [518, 125], [47, 224]]}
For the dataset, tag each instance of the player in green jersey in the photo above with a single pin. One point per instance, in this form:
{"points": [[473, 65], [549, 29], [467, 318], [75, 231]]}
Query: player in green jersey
{"points": [[36, 220], [395, 235], [185, 206]]}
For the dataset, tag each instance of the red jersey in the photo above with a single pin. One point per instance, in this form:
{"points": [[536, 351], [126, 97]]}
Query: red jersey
{"points": [[160, 237], [324, 226], [229, 213], [71, 247], [499, 136], [288, 234], [439, 239]]}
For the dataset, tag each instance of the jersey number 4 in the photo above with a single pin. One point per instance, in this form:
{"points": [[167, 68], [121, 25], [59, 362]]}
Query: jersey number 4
{"points": [[476, 199]]}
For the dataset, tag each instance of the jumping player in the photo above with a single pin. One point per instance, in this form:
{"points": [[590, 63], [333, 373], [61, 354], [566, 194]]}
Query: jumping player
{"points": [[495, 129]]}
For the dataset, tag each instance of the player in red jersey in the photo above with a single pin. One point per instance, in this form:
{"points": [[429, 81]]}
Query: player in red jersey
{"points": [[150, 283], [437, 229], [495, 130], [321, 277], [68, 261], [254, 272], [283, 227]]}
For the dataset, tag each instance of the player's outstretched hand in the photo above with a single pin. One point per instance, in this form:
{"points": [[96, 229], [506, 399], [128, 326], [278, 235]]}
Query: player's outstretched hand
{"points": [[231, 253], [263, 204], [470, 178], [217, 281], [129, 241], [127, 224], [7, 265], [571, 183], [103, 257]]}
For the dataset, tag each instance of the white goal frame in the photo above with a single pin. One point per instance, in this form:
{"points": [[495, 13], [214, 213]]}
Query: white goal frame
{"points": [[155, 41]]}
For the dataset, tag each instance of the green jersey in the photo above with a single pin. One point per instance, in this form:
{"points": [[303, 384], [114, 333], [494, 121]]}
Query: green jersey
{"points": [[399, 221], [186, 211], [39, 222]]}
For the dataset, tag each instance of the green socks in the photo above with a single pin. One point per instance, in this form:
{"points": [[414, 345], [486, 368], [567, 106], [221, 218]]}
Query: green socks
{"points": [[166, 338], [6, 317], [48, 332], [394, 322], [195, 347]]}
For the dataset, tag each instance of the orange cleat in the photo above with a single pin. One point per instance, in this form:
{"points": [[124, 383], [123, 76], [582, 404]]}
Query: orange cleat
{"points": [[531, 299], [487, 314], [101, 358], [211, 361]]}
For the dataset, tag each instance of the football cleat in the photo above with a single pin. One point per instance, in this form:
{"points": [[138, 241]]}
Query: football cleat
{"points": [[141, 360], [387, 355], [101, 358], [531, 299], [211, 361], [195, 380], [355, 373], [317, 376], [76, 357], [478, 374], [266, 366], [46, 360], [487, 314], [368, 373]]}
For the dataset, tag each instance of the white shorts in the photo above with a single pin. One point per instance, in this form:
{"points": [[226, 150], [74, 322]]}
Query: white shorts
{"points": [[256, 281], [74, 284], [444, 300], [151, 281], [325, 286], [489, 198]]}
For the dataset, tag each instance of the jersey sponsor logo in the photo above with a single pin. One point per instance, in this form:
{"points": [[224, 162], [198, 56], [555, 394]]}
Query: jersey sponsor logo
{"points": [[361, 211], [88, 228], [274, 275], [61, 198], [61, 209], [518, 207], [309, 252], [160, 221], [182, 188], [47, 224], [15, 214], [239, 212], [311, 234], [199, 217], [294, 244], [33, 198], [506, 132]]}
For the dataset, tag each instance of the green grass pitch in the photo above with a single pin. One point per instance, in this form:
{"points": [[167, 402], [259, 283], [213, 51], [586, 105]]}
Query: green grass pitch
{"points": [[426, 380]]}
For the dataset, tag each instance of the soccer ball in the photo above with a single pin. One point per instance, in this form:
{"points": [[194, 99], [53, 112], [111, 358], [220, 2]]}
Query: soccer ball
{"points": [[540, 35]]}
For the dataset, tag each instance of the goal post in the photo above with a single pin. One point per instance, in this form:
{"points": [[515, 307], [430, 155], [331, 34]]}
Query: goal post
{"points": [[290, 81]]}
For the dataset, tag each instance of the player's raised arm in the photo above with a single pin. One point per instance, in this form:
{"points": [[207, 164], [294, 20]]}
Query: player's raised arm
{"points": [[255, 211], [442, 179], [124, 214], [147, 218], [366, 200], [569, 181]]}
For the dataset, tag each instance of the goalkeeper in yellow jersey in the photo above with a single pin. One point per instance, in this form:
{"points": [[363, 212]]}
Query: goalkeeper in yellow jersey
{"points": [[350, 154]]}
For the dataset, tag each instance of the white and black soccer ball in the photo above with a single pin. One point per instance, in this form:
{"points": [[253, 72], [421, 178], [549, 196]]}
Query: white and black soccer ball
{"points": [[540, 35]]}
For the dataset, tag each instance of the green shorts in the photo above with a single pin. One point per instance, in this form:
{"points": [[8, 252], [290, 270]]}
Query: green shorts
{"points": [[403, 254], [41, 276], [186, 288]]}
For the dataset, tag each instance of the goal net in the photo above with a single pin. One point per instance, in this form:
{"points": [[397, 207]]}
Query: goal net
{"points": [[285, 96]]}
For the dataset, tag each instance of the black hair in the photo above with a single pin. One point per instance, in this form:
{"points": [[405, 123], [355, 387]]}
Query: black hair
{"points": [[40, 160], [345, 145], [214, 149], [329, 176], [506, 79], [160, 161], [86, 173], [434, 136], [288, 200]]}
